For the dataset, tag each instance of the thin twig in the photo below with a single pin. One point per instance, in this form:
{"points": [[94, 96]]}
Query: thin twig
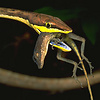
{"points": [[49, 84]]}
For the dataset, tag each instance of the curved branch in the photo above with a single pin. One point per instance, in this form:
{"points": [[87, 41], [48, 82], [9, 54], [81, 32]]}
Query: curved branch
{"points": [[48, 84]]}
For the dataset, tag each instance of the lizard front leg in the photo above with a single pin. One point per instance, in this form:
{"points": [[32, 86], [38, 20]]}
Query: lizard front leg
{"points": [[59, 57]]}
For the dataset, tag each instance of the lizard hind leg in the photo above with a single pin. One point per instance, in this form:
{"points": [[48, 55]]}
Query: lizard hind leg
{"points": [[59, 57], [74, 47], [78, 38]]}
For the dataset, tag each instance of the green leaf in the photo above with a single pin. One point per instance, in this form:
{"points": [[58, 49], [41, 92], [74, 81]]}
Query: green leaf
{"points": [[64, 14], [90, 27]]}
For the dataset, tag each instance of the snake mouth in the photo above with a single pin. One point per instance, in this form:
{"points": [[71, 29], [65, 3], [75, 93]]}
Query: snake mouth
{"points": [[42, 29], [60, 45]]}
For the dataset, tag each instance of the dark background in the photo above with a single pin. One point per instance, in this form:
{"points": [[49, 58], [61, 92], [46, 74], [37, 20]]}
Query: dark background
{"points": [[16, 52]]}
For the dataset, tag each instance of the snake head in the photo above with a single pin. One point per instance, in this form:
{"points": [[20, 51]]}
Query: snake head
{"points": [[50, 24]]}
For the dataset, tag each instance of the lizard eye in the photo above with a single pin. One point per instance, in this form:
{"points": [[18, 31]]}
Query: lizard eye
{"points": [[48, 25]]}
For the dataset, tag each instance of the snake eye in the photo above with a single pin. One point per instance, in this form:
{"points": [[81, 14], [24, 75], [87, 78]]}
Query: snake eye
{"points": [[48, 25]]}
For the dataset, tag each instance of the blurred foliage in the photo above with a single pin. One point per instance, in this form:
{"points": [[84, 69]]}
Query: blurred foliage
{"points": [[90, 25], [64, 14], [91, 28]]}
